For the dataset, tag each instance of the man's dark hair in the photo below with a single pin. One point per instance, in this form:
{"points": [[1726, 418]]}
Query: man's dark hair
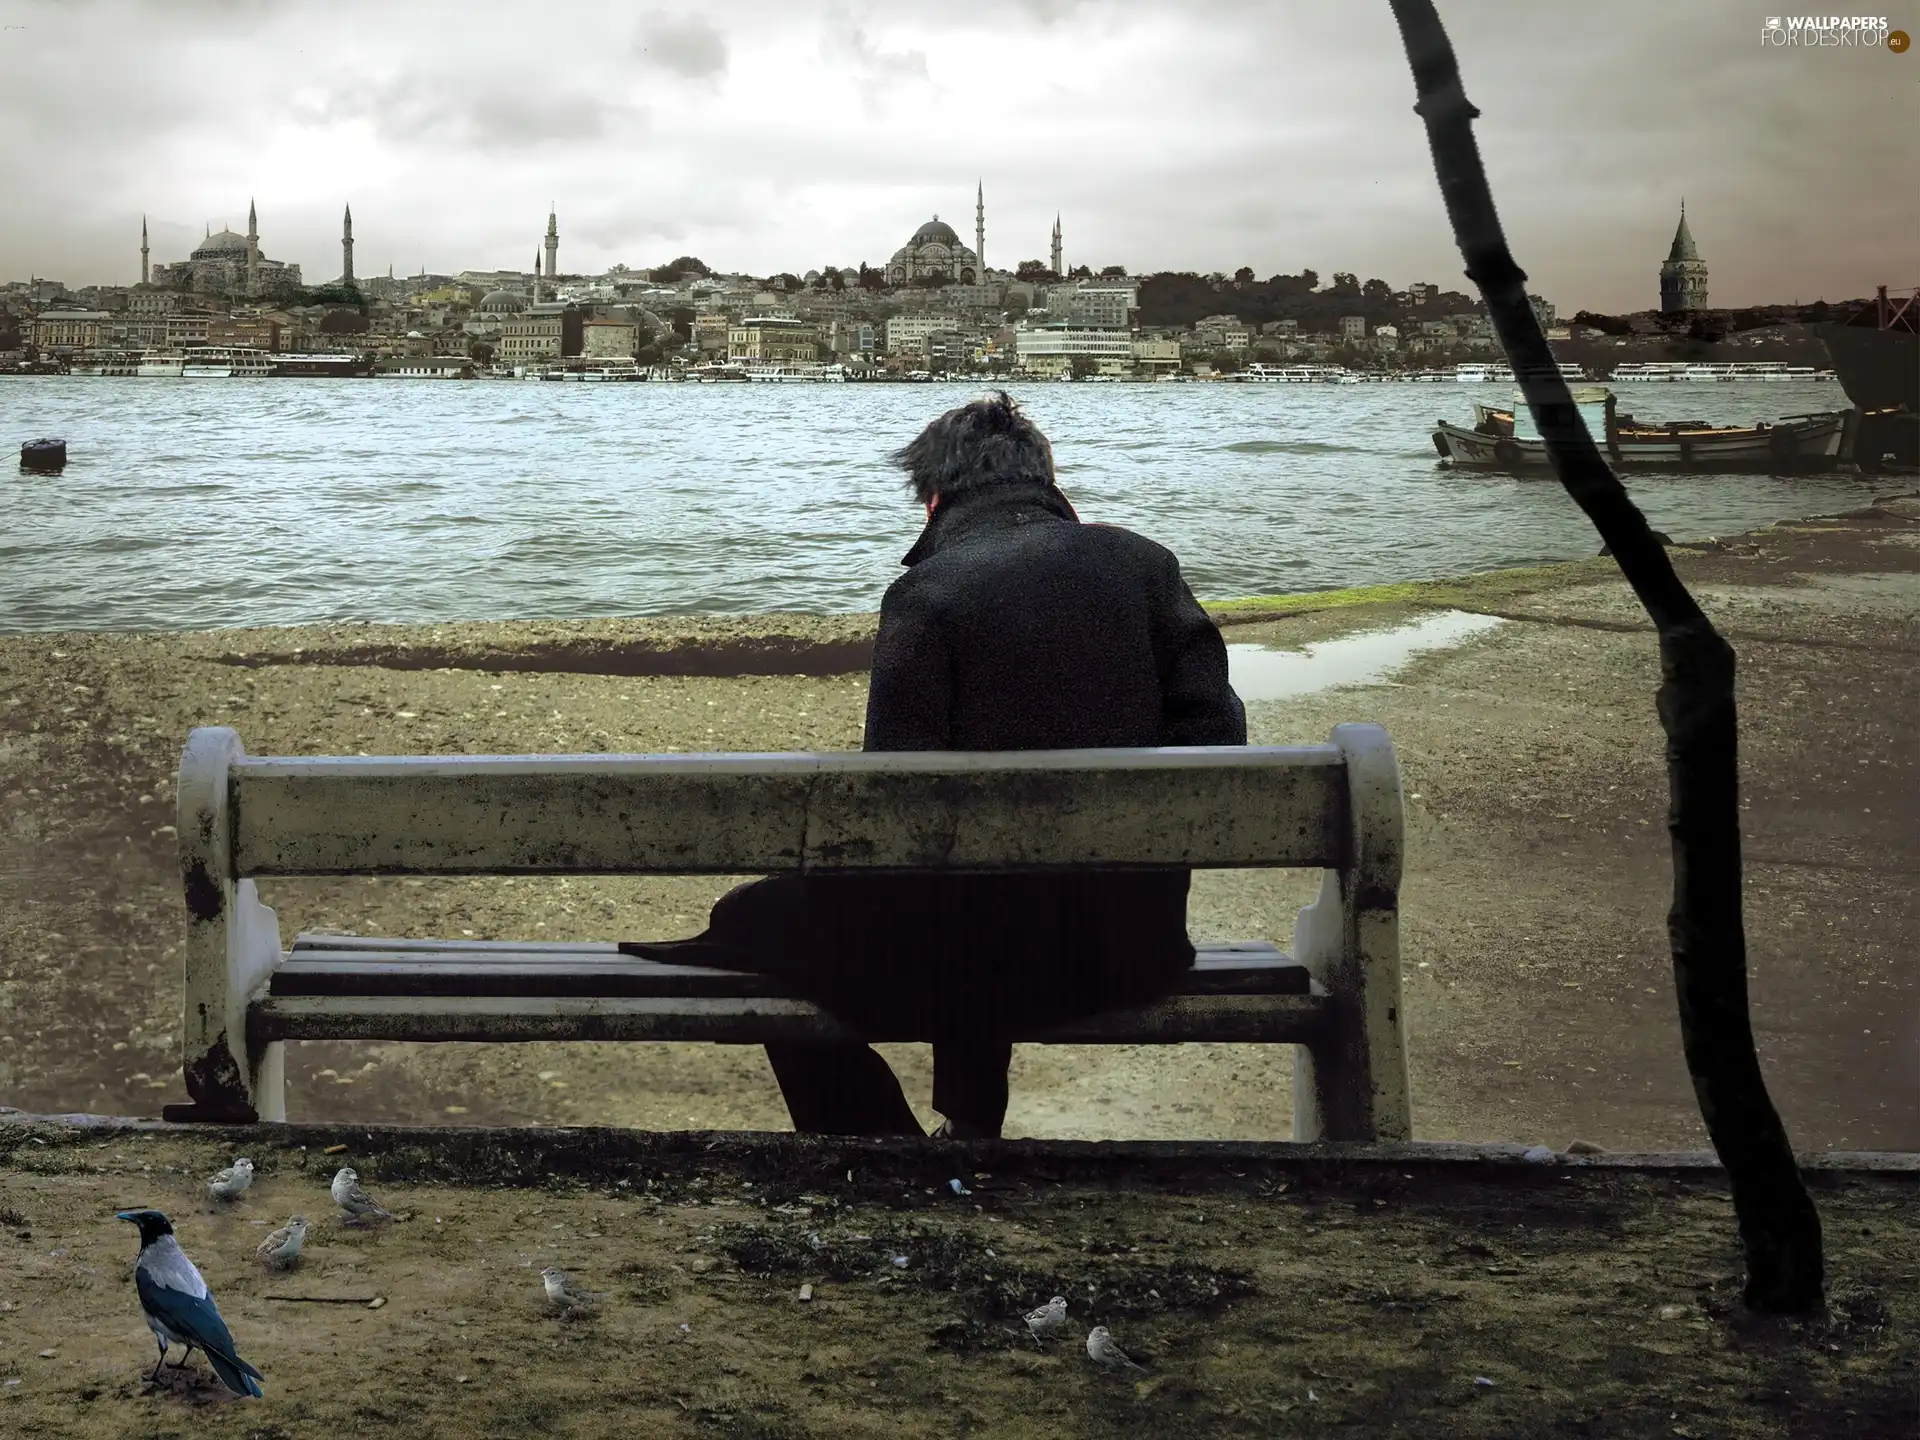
{"points": [[986, 443]]}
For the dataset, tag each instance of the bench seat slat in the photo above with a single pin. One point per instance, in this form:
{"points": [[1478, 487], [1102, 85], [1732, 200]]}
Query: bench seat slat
{"points": [[438, 969], [1229, 1019]]}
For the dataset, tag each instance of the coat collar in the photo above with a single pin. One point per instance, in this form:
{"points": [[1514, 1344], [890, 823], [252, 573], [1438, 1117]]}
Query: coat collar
{"points": [[994, 506]]}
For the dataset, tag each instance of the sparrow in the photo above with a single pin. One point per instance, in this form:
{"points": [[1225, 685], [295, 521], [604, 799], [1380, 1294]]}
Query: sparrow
{"points": [[232, 1182], [359, 1205], [562, 1294], [281, 1249], [1049, 1320], [178, 1306], [1103, 1352]]}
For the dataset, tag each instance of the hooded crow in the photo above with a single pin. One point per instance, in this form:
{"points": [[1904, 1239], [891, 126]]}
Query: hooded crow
{"points": [[178, 1306]]}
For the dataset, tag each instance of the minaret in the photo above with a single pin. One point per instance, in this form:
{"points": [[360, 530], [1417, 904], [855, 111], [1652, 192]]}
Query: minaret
{"points": [[143, 250], [553, 246], [346, 248], [980, 232], [253, 251], [1683, 278], [536, 277], [1056, 247]]}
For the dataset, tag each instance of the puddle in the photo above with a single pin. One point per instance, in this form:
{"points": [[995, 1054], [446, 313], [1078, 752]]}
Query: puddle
{"points": [[1258, 673]]}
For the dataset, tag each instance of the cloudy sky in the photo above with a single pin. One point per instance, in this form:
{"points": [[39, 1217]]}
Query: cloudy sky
{"points": [[789, 134]]}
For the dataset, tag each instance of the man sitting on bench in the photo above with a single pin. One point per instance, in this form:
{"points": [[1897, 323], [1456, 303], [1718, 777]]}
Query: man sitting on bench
{"points": [[1016, 627]]}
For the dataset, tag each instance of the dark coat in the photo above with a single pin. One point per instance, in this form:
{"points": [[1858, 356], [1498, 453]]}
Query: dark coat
{"points": [[1016, 627]]}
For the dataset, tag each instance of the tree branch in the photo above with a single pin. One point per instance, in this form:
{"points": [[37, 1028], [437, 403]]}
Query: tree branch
{"points": [[1779, 1227]]}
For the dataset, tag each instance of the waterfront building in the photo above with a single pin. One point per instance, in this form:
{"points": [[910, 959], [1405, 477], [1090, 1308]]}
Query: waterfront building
{"points": [[1353, 327], [68, 330], [226, 264], [1221, 332], [543, 331], [1104, 304], [188, 327], [1683, 278], [1049, 348], [933, 249], [907, 334], [1156, 355], [609, 339], [781, 339], [710, 333]]}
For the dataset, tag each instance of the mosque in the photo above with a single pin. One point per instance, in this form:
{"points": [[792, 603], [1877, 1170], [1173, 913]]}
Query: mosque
{"points": [[935, 249], [225, 264]]}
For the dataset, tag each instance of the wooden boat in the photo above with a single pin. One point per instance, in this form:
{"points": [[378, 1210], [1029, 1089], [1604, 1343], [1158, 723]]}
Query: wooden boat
{"points": [[1507, 440]]}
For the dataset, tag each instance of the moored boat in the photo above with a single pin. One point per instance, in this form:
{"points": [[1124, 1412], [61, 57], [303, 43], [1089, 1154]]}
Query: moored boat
{"points": [[1506, 440], [224, 362]]}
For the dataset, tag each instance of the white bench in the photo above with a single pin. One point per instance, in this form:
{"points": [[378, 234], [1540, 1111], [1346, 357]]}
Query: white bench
{"points": [[1336, 807]]}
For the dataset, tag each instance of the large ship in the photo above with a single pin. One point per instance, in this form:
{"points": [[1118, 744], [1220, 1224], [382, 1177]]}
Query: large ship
{"points": [[1877, 355]]}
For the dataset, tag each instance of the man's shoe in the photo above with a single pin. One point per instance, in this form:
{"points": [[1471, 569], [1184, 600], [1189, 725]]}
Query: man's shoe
{"points": [[965, 1130]]}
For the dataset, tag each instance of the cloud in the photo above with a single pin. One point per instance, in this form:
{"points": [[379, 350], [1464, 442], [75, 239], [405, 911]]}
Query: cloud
{"points": [[686, 45], [846, 40], [451, 113]]}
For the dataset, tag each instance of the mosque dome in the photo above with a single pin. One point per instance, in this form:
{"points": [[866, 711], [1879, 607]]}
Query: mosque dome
{"points": [[223, 242], [935, 232], [503, 302]]}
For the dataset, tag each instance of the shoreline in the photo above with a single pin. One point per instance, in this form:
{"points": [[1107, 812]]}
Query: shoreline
{"points": [[1535, 965]]}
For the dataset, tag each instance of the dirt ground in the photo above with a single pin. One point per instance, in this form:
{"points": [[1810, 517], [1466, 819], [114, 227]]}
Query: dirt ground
{"points": [[1263, 1296], [1538, 991]]}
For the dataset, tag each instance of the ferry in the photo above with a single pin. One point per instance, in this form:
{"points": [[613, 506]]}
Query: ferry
{"points": [[1265, 373], [1471, 374], [429, 367], [221, 362], [333, 363], [1717, 371], [106, 363], [170, 363], [761, 372]]}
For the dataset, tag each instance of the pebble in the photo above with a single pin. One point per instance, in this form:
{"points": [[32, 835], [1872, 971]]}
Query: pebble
{"points": [[376, 1302], [1540, 1155], [48, 1354], [1483, 1380], [806, 1293]]}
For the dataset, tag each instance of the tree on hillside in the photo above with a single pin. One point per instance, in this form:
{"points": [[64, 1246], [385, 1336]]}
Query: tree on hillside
{"points": [[1345, 284], [680, 317], [1114, 272], [1016, 306], [678, 268], [871, 279], [1378, 292], [1080, 272], [1083, 366], [1033, 270], [1243, 276]]}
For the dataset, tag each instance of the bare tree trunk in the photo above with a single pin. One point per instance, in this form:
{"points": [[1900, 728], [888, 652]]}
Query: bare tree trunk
{"points": [[1779, 1227]]}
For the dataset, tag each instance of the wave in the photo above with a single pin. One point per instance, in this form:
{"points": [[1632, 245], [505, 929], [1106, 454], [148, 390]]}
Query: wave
{"points": [[1290, 447]]}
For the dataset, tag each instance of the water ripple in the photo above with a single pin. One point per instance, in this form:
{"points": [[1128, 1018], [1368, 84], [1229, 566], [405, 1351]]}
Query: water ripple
{"points": [[198, 504]]}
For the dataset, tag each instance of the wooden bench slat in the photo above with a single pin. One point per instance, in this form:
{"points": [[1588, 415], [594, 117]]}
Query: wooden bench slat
{"points": [[1227, 1019], [1208, 807], [502, 968]]}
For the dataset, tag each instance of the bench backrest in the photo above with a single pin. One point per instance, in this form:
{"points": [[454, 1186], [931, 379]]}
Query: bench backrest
{"points": [[1208, 807]]}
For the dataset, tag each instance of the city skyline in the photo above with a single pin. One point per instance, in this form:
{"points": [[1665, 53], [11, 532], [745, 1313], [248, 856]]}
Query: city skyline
{"points": [[1279, 142]]}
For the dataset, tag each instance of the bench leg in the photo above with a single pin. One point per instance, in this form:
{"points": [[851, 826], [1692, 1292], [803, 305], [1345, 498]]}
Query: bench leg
{"points": [[232, 948], [1352, 1084]]}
